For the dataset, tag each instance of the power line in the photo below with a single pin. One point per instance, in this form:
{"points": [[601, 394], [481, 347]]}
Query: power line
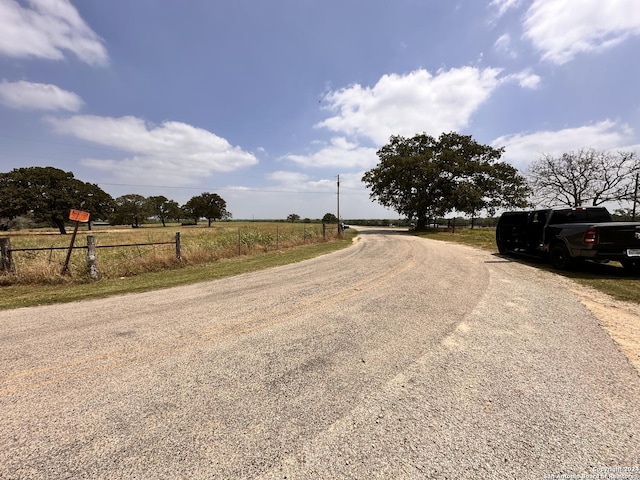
{"points": [[239, 190]]}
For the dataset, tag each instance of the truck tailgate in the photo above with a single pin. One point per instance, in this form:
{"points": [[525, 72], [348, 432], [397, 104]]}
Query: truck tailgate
{"points": [[620, 234]]}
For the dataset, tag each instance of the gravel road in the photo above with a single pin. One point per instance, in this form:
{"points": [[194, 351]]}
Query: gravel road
{"points": [[397, 357]]}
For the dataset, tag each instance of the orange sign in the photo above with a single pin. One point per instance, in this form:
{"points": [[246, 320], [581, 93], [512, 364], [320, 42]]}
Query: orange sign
{"points": [[79, 216]]}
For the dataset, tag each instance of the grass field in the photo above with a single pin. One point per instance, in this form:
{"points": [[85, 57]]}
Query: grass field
{"points": [[207, 253], [610, 278], [200, 244]]}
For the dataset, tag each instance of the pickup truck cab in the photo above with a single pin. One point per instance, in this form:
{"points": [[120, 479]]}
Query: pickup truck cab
{"points": [[569, 235]]}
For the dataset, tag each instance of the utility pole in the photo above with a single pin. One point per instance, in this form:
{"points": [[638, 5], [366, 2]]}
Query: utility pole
{"points": [[338, 196], [635, 200]]}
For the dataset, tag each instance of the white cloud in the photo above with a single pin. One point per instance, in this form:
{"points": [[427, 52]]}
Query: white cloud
{"points": [[503, 45], [502, 6], [301, 183], [561, 29], [288, 178], [173, 153], [340, 154], [526, 79], [38, 96], [522, 149], [412, 103], [47, 29]]}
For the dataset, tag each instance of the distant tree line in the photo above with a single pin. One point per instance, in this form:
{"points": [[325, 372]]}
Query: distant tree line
{"points": [[47, 194], [421, 178]]}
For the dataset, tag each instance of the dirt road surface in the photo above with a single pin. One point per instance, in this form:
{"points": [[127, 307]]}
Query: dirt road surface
{"points": [[398, 357]]}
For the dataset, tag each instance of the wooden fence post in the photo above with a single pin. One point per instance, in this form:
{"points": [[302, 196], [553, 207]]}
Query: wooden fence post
{"points": [[178, 246], [6, 259], [94, 273]]}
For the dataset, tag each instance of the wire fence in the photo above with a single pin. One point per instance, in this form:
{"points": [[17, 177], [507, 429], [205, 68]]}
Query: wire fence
{"points": [[41, 264]]}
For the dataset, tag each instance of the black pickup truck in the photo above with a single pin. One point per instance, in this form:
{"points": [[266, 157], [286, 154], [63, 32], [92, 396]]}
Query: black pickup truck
{"points": [[569, 235]]}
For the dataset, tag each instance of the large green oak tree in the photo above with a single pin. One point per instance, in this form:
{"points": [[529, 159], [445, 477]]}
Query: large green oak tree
{"points": [[423, 177]]}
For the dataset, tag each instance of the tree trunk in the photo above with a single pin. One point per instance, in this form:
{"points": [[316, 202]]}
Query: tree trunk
{"points": [[60, 224]]}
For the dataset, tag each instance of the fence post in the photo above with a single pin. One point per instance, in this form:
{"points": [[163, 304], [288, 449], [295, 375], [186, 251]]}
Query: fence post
{"points": [[94, 273], [178, 247], [324, 231], [6, 259]]}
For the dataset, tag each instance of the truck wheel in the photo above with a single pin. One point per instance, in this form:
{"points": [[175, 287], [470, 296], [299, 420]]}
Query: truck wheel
{"points": [[502, 247], [560, 258]]}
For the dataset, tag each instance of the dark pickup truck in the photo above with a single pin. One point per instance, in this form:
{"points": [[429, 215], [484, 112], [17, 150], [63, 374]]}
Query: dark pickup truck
{"points": [[568, 235]]}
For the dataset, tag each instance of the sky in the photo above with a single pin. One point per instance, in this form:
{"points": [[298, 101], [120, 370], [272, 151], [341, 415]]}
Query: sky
{"points": [[267, 104]]}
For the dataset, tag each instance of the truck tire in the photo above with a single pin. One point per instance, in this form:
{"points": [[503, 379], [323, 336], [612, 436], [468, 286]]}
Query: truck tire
{"points": [[560, 258], [502, 247]]}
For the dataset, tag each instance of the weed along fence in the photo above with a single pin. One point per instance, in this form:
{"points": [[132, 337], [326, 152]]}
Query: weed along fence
{"points": [[7, 264], [120, 253]]}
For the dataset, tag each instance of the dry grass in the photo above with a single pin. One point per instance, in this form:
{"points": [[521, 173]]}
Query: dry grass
{"points": [[200, 245]]}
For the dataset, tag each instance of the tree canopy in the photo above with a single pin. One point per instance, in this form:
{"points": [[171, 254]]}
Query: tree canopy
{"points": [[586, 176], [329, 218], [208, 205], [163, 208], [131, 209], [49, 194], [423, 177]]}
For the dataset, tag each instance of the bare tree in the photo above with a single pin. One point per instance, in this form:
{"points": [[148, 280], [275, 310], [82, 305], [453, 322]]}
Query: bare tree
{"points": [[584, 177]]}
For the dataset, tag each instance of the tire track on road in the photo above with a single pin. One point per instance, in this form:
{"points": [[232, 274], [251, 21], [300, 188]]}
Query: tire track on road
{"points": [[110, 360]]}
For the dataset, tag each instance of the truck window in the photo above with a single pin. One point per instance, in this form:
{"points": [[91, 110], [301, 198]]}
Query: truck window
{"points": [[539, 217], [568, 216], [586, 215], [514, 218], [599, 215]]}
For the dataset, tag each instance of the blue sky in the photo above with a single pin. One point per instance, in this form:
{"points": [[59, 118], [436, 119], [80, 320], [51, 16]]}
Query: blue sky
{"points": [[266, 103]]}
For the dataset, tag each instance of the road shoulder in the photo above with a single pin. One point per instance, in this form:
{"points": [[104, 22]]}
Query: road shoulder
{"points": [[620, 319]]}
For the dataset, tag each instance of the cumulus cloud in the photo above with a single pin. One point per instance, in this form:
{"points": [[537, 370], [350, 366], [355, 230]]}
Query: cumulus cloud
{"points": [[339, 154], [38, 96], [173, 152], [409, 104], [561, 29], [522, 149], [48, 29]]}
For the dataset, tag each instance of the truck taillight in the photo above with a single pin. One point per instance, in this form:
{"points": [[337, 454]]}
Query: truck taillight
{"points": [[590, 236]]}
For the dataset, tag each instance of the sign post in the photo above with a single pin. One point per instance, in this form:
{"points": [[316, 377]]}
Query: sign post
{"points": [[78, 216]]}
